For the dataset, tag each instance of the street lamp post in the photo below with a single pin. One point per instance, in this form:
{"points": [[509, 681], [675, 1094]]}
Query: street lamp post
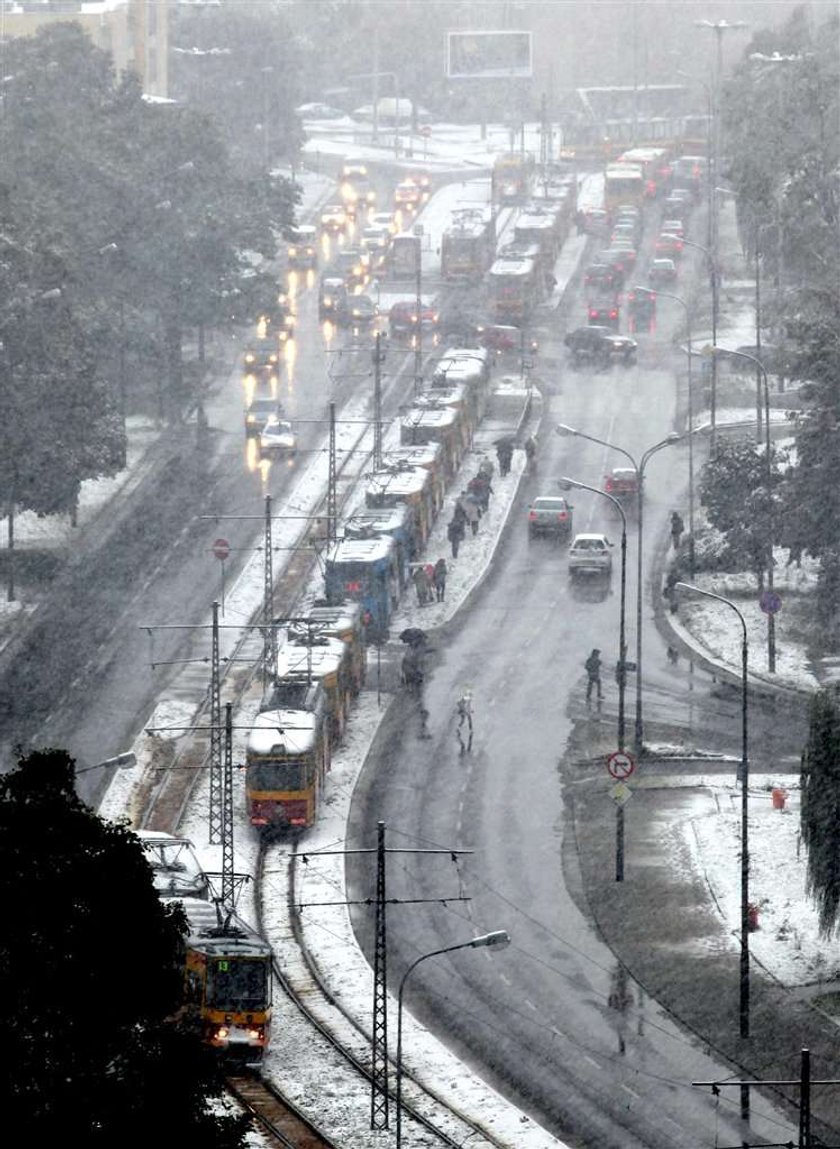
{"points": [[768, 463], [566, 483], [639, 468], [744, 980], [497, 938], [713, 283], [682, 302]]}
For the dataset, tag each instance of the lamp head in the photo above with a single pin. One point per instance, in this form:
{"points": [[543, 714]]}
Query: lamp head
{"points": [[566, 484], [564, 429], [498, 939]]}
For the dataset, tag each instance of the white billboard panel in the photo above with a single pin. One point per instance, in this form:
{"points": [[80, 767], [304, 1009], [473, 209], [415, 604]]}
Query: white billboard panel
{"points": [[487, 55]]}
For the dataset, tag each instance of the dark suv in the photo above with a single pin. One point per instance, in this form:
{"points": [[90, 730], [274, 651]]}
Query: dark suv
{"points": [[600, 345]]}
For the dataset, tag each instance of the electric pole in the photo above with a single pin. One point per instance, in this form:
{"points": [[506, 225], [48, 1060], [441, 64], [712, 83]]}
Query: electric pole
{"points": [[378, 358], [269, 637], [215, 813], [418, 334], [379, 1077], [332, 496], [227, 812]]}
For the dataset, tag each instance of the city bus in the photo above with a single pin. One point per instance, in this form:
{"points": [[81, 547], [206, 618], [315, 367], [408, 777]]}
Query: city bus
{"points": [[404, 256], [655, 165]]}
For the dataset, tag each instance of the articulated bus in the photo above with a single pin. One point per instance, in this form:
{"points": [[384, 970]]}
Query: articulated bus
{"points": [[468, 246], [513, 286]]}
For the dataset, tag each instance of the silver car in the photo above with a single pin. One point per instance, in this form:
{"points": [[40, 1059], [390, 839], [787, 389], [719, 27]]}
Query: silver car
{"points": [[278, 438]]}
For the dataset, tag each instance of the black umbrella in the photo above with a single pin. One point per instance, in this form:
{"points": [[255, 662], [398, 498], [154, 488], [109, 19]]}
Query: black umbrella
{"points": [[505, 441], [414, 636]]}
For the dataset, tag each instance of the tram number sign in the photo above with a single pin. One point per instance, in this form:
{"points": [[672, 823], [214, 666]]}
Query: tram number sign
{"points": [[221, 549], [620, 764]]}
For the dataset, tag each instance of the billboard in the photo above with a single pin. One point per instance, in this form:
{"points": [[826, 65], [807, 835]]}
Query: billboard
{"points": [[488, 55]]}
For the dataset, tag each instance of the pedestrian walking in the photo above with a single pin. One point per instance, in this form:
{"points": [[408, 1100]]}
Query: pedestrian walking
{"points": [[459, 514], [593, 673], [440, 579], [429, 571], [455, 533], [464, 710], [421, 585], [480, 487], [504, 453], [472, 510], [531, 454], [677, 528], [486, 469]]}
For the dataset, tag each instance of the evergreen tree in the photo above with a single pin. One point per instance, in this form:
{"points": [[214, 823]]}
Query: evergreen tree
{"points": [[820, 810], [90, 968]]}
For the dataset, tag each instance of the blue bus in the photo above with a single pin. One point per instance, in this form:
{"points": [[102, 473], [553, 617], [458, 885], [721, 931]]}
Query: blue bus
{"points": [[365, 571]]}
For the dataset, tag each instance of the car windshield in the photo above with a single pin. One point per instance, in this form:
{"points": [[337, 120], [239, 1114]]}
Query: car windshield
{"points": [[589, 544]]}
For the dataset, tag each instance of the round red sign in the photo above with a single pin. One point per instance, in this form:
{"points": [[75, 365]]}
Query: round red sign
{"points": [[221, 548]]}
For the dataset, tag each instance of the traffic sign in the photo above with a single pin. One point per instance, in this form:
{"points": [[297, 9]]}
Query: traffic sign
{"points": [[621, 794], [620, 764], [770, 602], [221, 549], [425, 131]]}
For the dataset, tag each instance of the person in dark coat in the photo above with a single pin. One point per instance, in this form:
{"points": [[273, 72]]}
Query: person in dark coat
{"points": [[472, 509], [421, 585], [455, 533], [593, 673], [504, 453], [677, 528], [440, 579]]}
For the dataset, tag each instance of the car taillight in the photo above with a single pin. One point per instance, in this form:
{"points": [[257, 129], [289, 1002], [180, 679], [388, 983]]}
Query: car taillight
{"points": [[532, 515], [561, 516], [613, 314]]}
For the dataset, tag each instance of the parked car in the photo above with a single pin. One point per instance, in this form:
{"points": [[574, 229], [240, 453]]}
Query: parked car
{"points": [[550, 515], [590, 554], [277, 438], [600, 344]]}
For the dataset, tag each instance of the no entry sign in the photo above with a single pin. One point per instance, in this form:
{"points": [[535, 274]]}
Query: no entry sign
{"points": [[221, 549]]}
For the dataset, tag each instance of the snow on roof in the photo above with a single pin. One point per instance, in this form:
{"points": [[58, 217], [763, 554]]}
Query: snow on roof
{"points": [[282, 731], [361, 550]]}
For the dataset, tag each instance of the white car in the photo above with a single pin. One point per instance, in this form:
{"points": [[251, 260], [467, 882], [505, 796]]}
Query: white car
{"points": [[590, 554], [278, 438]]}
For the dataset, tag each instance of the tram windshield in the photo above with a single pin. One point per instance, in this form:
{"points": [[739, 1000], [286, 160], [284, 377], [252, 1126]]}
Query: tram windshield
{"points": [[237, 983], [278, 774]]}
